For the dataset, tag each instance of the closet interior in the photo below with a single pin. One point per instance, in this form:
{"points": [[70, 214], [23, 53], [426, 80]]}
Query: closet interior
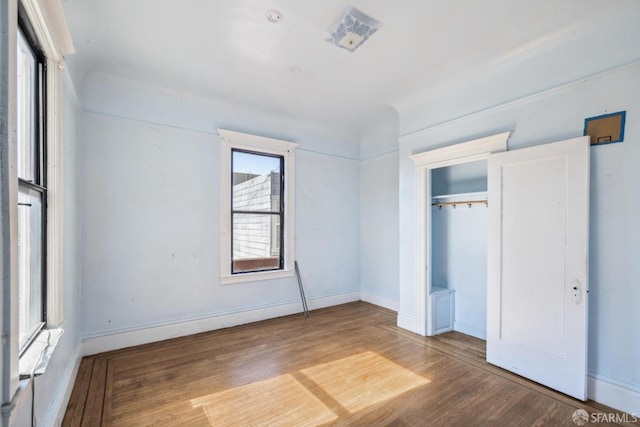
{"points": [[459, 215]]}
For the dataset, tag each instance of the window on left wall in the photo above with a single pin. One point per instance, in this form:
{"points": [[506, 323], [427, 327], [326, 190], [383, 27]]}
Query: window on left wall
{"points": [[32, 186]]}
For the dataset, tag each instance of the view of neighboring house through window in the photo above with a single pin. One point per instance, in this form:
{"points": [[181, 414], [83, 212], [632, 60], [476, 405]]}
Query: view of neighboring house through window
{"points": [[257, 211], [32, 190]]}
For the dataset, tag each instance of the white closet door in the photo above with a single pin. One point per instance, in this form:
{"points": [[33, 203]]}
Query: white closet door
{"points": [[537, 263]]}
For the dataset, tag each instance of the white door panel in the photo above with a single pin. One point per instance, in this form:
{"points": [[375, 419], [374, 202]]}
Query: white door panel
{"points": [[538, 225]]}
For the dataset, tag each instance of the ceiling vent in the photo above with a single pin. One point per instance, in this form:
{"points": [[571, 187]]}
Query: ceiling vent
{"points": [[353, 29]]}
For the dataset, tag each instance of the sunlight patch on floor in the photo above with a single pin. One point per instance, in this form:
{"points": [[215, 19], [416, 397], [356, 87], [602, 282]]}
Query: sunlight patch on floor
{"points": [[363, 380], [280, 401], [354, 383]]}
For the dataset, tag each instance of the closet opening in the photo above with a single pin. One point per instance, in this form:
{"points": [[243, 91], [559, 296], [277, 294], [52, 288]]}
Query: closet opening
{"points": [[457, 170], [459, 215]]}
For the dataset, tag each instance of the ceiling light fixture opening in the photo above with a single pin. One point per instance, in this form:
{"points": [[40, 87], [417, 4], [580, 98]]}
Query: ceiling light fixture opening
{"points": [[352, 29]]}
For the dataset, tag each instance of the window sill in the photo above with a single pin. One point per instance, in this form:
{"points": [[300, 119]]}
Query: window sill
{"points": [[255, 277], [36, 358]]}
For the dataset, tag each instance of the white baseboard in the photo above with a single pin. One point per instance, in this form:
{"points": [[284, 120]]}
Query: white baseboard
{"points": [[380, 301], [468, 329], [611, 392], [407, 322], [62, 399], [159, 332]]}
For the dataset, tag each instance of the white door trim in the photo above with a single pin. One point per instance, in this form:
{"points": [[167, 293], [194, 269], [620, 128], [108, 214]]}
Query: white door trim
{"points": [[477, 149]]}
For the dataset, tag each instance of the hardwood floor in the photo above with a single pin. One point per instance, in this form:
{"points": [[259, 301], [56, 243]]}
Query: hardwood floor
{"points": [[344, 365]]}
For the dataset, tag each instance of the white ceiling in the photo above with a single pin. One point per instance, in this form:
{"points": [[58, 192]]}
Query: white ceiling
{"points": [[448, 57]]}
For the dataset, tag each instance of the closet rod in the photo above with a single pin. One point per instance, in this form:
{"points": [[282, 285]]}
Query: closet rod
{"points": [[461, 202]]}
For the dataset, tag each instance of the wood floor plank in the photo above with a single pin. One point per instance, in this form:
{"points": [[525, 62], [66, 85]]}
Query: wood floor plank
{"points": [[108, 394], [344, 365], [75, 409], [92, 416]]}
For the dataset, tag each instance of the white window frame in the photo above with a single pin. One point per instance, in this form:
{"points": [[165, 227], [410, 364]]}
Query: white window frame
{"points": [[36, 176], [260, 144], [50, 29]]}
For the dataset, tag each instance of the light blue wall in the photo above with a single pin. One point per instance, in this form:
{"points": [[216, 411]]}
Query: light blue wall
{"points": [[379, 210], [462, 178], [150, 164], [614, 336], [379, 225], [118, 97], [459, 242]]}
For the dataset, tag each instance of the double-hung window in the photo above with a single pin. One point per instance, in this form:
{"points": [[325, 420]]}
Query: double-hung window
{"points": [[257, 215], [257, 211], [35, 41], [32, 187]]}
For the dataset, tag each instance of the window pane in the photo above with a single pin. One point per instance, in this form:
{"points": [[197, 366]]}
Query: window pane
{"points": [[256, 182], [256, 242], [27, 111], [29, 263]]}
